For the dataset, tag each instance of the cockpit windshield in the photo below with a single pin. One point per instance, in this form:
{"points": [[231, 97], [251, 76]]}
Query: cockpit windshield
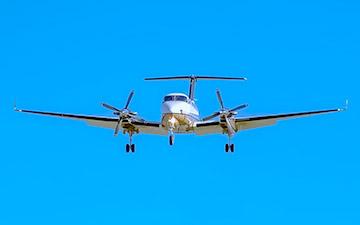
{"points": [[181, 98], [175, 98], [168, 98]]}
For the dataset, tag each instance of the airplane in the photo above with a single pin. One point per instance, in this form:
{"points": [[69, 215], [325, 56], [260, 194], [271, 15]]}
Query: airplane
{"points": [[180, 115]]}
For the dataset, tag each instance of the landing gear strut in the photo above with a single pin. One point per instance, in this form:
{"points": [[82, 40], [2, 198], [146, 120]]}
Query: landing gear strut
{"points": [[130, 147]]}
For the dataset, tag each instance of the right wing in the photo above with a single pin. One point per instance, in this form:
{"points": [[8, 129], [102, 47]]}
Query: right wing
{"points": [[104, 122]]}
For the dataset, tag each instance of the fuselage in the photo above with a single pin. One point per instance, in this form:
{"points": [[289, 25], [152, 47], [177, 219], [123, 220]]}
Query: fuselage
{"points": [[179, 113]]}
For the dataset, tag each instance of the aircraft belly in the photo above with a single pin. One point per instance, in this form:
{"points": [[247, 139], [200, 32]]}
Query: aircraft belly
{"points": [[179, 123]]}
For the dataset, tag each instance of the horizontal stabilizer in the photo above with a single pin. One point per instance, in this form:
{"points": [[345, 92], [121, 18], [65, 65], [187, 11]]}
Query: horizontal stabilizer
{"points": [[195, 77]]}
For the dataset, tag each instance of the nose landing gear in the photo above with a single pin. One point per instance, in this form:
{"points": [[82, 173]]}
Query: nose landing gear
{"points": [[171, 139]]}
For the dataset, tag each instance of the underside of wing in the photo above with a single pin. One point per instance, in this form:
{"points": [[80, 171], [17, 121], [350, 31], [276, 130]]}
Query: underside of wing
{"points": [[105, 122], [267, 120], [150, 127], [208, 127], [98, 121]]}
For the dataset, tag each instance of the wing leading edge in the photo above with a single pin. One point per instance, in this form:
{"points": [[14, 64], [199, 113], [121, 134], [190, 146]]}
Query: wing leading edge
{"points": [[244, 123], [200, 128], [103, 121], [267, 120]]}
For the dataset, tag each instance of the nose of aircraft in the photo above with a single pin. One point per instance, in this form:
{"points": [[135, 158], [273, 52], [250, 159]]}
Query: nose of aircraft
{"points": [[173, 107], [168, 107]]}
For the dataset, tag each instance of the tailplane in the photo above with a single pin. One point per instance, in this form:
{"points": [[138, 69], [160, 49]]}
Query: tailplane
{"points": [[193, 79]]}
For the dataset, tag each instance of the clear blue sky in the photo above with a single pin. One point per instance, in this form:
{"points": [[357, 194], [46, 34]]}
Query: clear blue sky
{"points": [[69, 56]]}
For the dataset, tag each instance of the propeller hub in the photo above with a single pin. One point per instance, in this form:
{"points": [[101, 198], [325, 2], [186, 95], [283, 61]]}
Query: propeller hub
{"points": [[124, 113]]}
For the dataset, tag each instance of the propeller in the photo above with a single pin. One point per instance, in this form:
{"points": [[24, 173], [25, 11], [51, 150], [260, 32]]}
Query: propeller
{"points": [[225, 113], [121, 113]]}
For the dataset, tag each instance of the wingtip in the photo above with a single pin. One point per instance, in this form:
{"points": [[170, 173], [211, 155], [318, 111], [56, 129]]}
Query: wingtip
{"points": [[15, 107], [345, 107], [346, 104], [17, 110]]}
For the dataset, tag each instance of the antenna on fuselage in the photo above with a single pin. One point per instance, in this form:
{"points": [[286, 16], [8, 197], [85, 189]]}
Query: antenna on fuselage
{"points": [[193, 79]]}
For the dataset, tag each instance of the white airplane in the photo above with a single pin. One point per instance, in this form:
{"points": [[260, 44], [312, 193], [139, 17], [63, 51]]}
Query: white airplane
{"points": [[179, 114]]}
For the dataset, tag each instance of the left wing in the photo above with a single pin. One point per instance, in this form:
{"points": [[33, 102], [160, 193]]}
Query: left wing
{"points": [[267, 120], [103, 121], [244, 123], [208, 127]]}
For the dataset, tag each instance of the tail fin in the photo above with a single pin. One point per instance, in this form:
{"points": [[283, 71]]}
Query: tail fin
{"points": [[193, 79]]}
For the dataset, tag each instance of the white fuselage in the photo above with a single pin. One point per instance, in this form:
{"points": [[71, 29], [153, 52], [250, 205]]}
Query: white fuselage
{"points": [[179, 113]]}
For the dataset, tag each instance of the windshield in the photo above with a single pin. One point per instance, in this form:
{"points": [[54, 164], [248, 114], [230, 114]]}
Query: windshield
{"points": [[181, 98], [175, 98], [168, 98]]}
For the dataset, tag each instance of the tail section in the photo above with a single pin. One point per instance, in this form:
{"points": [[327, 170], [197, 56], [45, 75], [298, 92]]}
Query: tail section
{"points": [[193, 79]]}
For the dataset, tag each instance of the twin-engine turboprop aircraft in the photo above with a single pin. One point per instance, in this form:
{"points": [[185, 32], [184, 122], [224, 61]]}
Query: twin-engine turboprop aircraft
{"points": [[179, 114]]}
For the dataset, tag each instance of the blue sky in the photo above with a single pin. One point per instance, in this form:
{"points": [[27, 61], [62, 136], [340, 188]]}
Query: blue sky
{"points": [[70, 56]]}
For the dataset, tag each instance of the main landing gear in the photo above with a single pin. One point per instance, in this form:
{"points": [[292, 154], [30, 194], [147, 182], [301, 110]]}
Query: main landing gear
{"points": [[130, 147], [229, 148]]}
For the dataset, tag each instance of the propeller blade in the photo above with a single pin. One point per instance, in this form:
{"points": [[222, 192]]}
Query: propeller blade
{"points": [[129, 99], [239, 107], [220, 99], [230, 129], [211, 116], [117, 128], [110, 107]]}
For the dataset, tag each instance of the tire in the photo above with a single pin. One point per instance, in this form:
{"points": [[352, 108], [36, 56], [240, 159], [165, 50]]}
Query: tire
{"points": [[127, 148], [232, 148], [226, 148], [133, 147]]}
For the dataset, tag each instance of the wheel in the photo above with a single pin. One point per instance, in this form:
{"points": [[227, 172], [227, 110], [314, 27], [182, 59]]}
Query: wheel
{"points": [[171, 140], [226, 148], [232, 147], [127, 148], [133, 147]]}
